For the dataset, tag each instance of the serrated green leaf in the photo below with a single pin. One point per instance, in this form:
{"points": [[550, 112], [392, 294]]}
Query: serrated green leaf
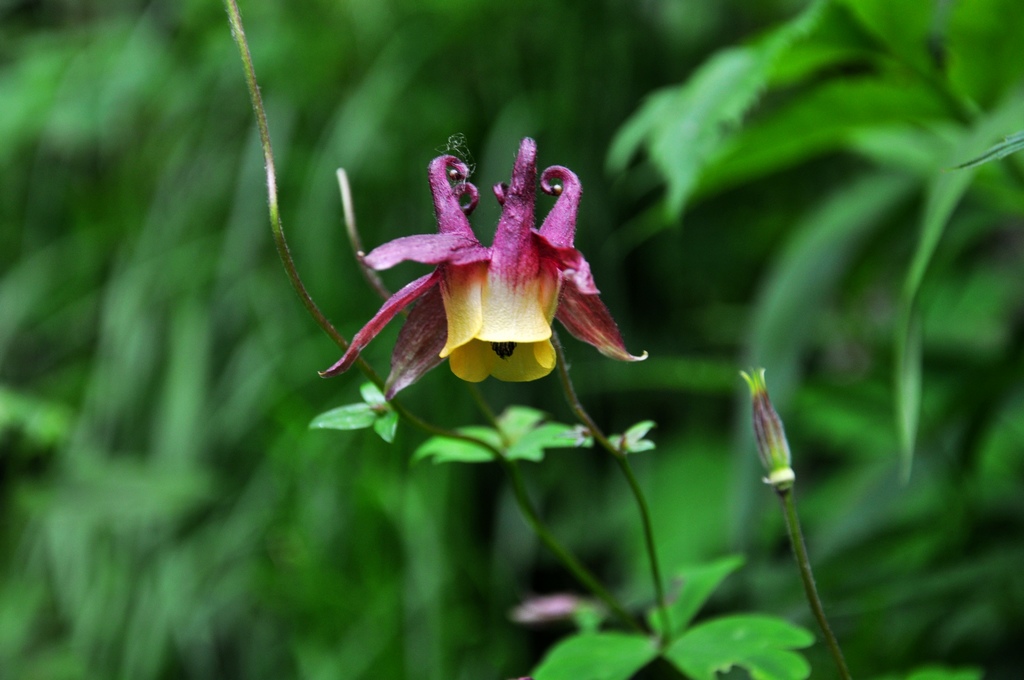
{"points": [[696, 585], [448, 450], [683, 127], [596, 656], [1011, 144], [761, 644], [371, 394], [350, 417], [386, 425]]}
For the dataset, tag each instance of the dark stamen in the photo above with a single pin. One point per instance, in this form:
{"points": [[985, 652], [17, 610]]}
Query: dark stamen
{"points": [[503, 349]]}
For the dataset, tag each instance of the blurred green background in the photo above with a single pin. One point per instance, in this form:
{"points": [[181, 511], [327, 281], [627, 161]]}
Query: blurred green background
{"points": [[782, 199]]}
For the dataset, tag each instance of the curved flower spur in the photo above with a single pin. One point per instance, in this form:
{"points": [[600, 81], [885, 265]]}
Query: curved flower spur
{"points": [[489, 310]]}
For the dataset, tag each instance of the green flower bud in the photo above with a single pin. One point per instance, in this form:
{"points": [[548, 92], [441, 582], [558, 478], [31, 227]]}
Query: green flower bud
{"points": [[769, 434]]}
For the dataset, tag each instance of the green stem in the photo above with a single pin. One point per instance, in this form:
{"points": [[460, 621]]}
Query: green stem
{"points": [[623, 462], [796, 538], [568, 560]]}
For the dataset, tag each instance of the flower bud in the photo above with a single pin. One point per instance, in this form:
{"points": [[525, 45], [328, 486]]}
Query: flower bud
{"points": [[769, 434]]}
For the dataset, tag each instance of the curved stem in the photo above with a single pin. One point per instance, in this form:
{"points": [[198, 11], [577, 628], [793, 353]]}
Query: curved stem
{"points": [[623, 462], [349, 214], [235, 18], [796, 539]]}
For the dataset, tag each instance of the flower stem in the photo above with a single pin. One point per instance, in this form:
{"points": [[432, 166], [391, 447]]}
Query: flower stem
{"points": [[796, 538], [571, 563], [235, 19], [623, 462], [568, 560]]}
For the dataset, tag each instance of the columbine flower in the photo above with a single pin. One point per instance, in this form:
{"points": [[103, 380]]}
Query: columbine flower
{"points": [[489, 310]]}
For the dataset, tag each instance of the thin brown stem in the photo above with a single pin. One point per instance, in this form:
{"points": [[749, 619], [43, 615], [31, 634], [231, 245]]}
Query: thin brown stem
{"points": [[349, 216]]}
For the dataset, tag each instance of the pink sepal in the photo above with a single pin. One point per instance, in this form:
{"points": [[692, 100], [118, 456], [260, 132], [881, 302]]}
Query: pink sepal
{"points": [[586, 317], [559, 226], [428, 249], [391, 307], [419, 344]]}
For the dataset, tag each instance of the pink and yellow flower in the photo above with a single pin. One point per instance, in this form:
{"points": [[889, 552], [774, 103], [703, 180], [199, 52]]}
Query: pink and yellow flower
{"points": [[489, 310]]}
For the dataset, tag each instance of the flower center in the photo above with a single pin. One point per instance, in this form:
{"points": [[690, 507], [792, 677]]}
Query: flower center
{"points": [[503, 349]]}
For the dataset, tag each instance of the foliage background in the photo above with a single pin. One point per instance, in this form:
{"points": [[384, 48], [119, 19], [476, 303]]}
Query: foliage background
{"points": [[164, 512]]}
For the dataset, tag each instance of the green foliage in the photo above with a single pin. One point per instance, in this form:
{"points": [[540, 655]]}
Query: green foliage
{"points": [[522, 434], [597, 656], [168, 513], [762, 645], [373, 412]]}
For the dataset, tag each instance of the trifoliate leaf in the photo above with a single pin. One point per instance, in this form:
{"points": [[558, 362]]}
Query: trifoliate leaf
{"points": [[763, 645]]}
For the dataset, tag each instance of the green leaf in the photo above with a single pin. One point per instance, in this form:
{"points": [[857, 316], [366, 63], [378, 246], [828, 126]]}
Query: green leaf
{"points": [[943, 196], [936, 673], [761, 644], [683, 127], [1011, 144], [596, 656], [632, 440], [531, 445], [385, 425], [697, 584], [371, 394], [350, 417], [448, 450], [527, 437]]}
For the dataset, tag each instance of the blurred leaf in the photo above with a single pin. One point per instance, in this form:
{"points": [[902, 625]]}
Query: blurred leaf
{"points": [[350, 417], [1011, 144], [385, 425], [372, 394], [936, 673], [809, 267], [761, 644], [821, 120], [986, 51], [43, 424], [597, 656], [522, 437], [697, 583], [943, 196], [682, 127], [448, 450], [903, 27]]}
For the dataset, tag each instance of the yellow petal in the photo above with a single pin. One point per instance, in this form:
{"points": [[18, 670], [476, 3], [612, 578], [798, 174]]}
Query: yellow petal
{"points": [[478, 359], [528, 361], [518, 312], [472, 361], [462, 290]]}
